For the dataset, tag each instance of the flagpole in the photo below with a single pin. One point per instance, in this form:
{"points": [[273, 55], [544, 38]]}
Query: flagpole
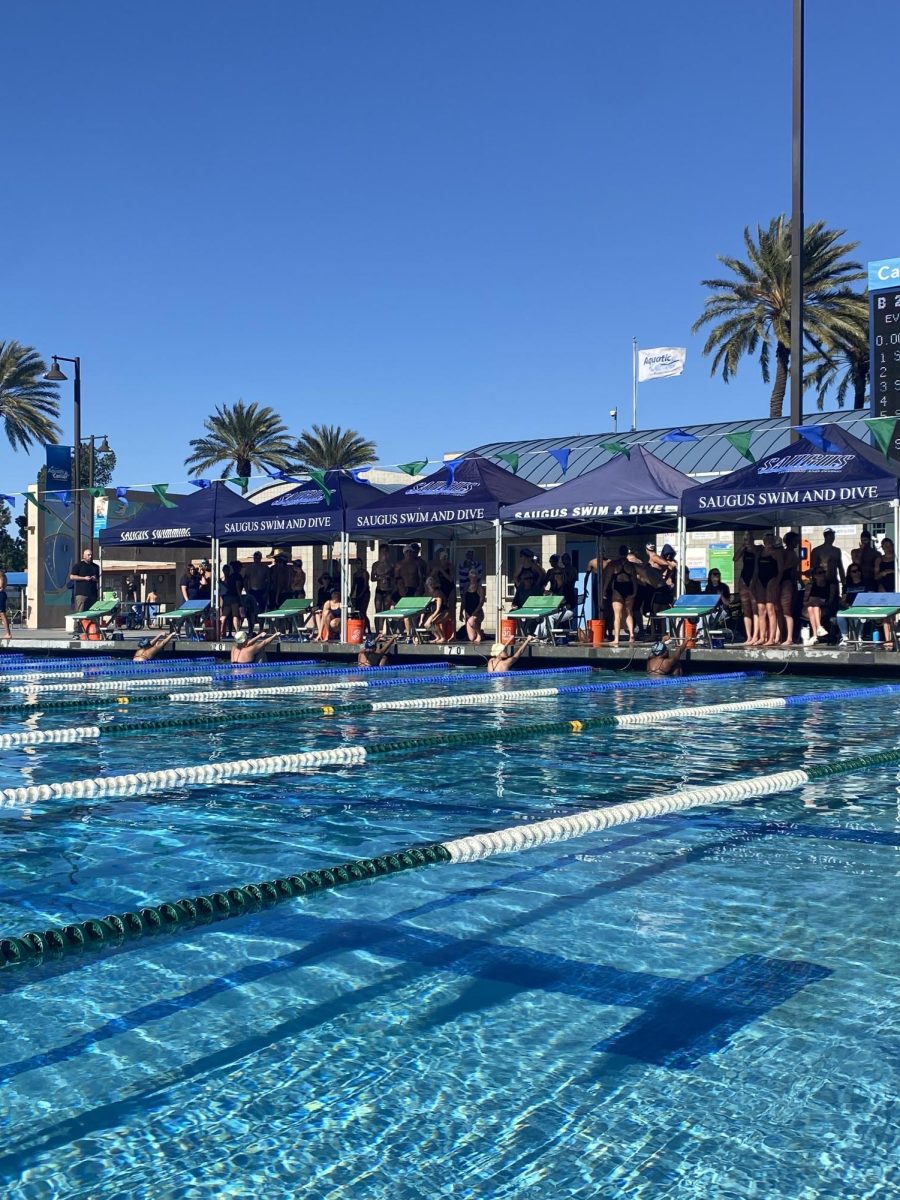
{"points": [[634, 358]]}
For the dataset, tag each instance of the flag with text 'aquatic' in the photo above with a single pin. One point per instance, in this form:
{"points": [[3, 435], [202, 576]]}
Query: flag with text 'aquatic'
{"points": [[661, 363]]}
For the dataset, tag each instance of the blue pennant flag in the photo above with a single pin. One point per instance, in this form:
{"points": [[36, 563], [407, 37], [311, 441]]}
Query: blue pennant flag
{"points": [[283, 475], [679, 435], [452, 465], [202, 483], [816, 435], [64, 498], [10, 500], [562, 457], [122, 496], [358, 472]]}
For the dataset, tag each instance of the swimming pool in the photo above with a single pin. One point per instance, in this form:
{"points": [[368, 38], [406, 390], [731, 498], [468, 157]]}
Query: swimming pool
{"points": [[697, 1005]]}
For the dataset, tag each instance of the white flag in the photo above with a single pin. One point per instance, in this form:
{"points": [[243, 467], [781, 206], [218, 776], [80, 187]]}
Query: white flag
{"points": [[661, 363]]}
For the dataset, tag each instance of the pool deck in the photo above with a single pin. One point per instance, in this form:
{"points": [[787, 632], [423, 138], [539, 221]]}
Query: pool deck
{"points": [[816, 660]]}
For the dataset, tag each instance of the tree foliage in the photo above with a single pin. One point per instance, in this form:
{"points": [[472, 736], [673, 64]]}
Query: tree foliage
{"points": [[242, 437], [13, 554], [29, 404], [328, 447], [750, 314]]}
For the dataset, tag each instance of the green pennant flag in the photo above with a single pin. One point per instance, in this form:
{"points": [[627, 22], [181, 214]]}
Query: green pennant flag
{"points": [[414, 468], [32, 499], [512, 459], [741, 442], [241, 481], [617, 448], [883, 432], [161, 489], [97, 493], [319, 477]]}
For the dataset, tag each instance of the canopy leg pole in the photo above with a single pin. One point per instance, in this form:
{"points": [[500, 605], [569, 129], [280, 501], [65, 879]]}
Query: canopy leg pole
{"points": [[895, 507], [214, 590], [498, 570], [345, 591], [681, 556]]}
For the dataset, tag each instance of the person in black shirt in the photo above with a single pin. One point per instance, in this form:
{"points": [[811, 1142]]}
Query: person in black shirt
{"points": [[85, 575]]}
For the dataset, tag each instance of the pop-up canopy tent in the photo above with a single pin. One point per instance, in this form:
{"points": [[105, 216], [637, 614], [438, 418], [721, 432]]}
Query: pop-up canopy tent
{"points": [[622, 494], [465, 492], [312, 512], [826, 476], [193, 520]]}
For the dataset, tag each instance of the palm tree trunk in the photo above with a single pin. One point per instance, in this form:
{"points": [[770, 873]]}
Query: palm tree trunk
{"points": [[860, 379], [782, 365], [244, 467]]}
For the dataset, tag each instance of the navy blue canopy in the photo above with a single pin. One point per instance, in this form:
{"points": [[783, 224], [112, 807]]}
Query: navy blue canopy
{"points": [[827, 475], [625, 492], [193, 521], [463, 491], [306, 513]]}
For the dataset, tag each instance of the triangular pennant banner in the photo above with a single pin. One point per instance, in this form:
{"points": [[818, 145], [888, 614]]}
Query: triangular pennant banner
{"points": [[285, 477], [358, 473], [562, 457], [452, 464], [617, 448], [122, 496], [10, 500], [741, 442], [883, 433], [319, 477], [161, 489], [816, 435], [97, 493], [241, 481], [512, 461], [202, 483], [679, 435], [413, 468], [65, 499], [32, 499]]}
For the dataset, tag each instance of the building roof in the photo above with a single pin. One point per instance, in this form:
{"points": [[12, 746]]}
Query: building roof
{"points": [[711, 455]]}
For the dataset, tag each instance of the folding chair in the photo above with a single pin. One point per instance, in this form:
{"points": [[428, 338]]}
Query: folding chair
{"points": [[408, 608], [874, 606], [185, 618], [288, 618], [539, 609], [693, 608]]}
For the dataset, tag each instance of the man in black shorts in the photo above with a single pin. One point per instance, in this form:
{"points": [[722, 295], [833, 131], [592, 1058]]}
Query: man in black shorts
{"points": [[85, 576]]}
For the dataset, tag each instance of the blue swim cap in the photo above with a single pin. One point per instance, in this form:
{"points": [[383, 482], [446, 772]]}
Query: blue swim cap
{"points": [[659, 648]]}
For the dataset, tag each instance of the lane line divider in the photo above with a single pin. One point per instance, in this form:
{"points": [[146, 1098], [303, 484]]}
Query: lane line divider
{"points": [[78, 938]]}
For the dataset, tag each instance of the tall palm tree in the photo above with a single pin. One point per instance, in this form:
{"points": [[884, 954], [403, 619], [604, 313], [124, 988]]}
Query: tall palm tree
{"points": [[241, 438], [329, 448], [753, 310], [842, 364], [28, 403]]}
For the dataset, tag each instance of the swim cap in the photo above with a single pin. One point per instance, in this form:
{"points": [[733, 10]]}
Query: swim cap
{"points": [[144, 643], [240, 637], [497, 649], [659, 648]]}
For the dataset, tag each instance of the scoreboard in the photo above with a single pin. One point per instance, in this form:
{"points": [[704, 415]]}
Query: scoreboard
{"points": [[884, 343]]}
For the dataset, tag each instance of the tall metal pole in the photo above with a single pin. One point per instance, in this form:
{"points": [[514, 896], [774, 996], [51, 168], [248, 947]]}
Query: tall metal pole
{"points": [[634, 382], [76, 466], [797, 223]]}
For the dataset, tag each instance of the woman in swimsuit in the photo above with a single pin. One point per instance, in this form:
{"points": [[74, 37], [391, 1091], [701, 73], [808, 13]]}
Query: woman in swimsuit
{"points": [[471, 608], [816, 602], [4, 616], [620, 579], [330, 619], [886, 581], [436, 621], [790, 566], [746, 555], [766, 590]]}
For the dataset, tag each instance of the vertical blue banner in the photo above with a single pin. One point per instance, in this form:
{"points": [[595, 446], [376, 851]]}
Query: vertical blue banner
{"points": [[59, 468]]}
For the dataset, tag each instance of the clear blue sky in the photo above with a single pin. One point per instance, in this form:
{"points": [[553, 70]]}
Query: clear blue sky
{"points": [[437, 223]]}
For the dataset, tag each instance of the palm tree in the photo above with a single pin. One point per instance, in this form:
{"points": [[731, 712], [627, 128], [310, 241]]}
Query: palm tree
{"points": [[28, 403], [241, 438], [842, 364], [753, 310], [329, 448]]}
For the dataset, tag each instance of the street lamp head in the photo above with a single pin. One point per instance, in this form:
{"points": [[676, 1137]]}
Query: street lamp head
{"points": [[55, 375], [104, 445]]}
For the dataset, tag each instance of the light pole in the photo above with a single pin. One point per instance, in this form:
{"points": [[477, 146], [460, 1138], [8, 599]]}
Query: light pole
{"points": [[92, 463], [614, 413], [797, 265], [55, 375]]}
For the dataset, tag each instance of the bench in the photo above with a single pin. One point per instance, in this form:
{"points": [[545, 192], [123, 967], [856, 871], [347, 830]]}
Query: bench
{"points": [[190, 612], [407, 608], [537, 609], [289, 617]]}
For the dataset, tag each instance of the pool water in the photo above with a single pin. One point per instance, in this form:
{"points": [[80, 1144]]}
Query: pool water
{"points": [[699, 1005]]}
